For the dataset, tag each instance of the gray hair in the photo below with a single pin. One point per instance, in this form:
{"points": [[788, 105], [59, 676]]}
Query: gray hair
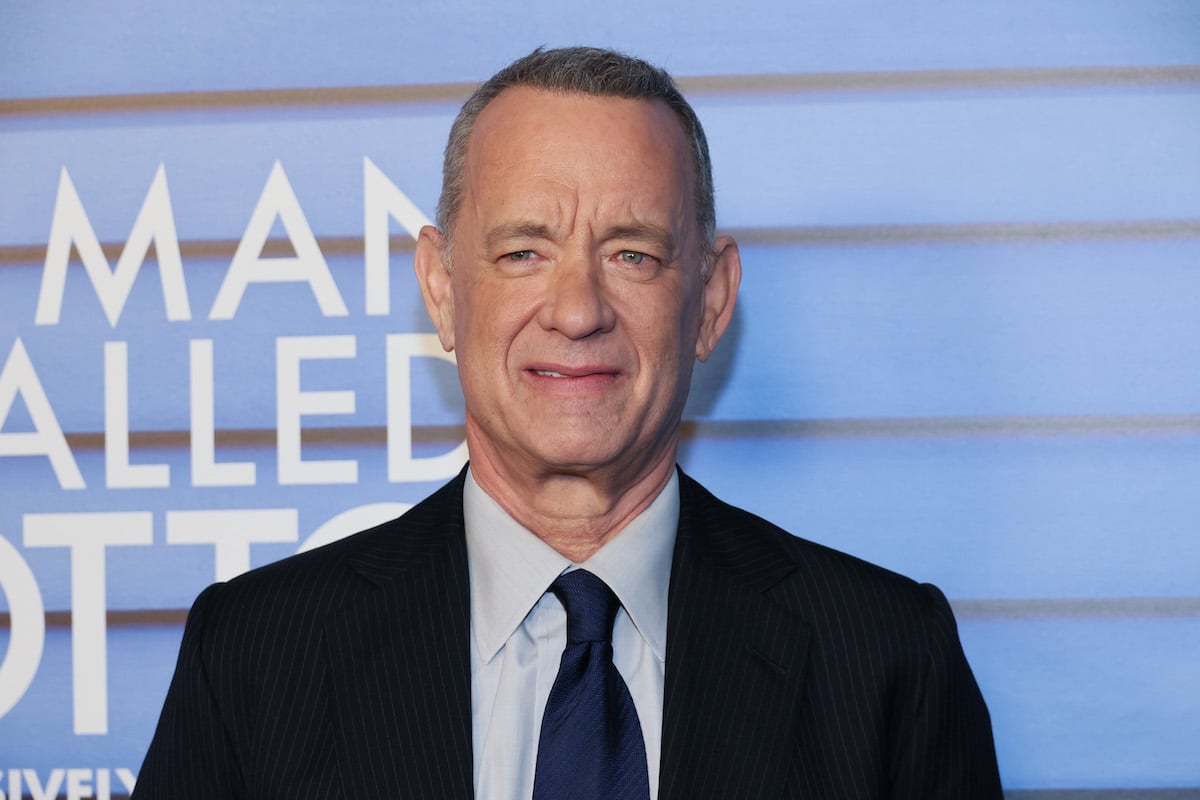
{"points": [[579, 70]]}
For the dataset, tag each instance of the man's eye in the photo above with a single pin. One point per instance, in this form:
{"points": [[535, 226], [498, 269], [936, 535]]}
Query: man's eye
{"points": [[633, 257], [520, 255]]}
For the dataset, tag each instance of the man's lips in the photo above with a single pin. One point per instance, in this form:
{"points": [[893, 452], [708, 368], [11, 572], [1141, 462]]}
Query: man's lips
{"points": [[560, 372]]}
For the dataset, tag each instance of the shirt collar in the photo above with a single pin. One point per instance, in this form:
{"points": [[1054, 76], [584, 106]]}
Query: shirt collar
{"points": [[511, 568]]}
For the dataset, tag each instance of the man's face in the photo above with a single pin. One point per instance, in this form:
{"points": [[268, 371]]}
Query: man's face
{"points": [[575, 300]]}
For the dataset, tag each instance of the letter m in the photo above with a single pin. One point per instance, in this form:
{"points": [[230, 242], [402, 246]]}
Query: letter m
{"points": [[155, 223]]}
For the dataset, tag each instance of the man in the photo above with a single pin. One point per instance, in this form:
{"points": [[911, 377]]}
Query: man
{"points": [[576, 276]]}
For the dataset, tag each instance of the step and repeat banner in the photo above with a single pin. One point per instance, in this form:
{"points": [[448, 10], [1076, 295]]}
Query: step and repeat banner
{"points": [[967, 348]]}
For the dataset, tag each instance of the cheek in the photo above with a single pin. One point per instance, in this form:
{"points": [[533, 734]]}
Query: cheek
{"points": [[472, 311], [662, 322], [488, 324], [663, 343], [687, 327]]}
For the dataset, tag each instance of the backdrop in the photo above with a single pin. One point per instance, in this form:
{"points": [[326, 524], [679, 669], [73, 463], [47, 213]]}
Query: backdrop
{"points": [[967, 348]]}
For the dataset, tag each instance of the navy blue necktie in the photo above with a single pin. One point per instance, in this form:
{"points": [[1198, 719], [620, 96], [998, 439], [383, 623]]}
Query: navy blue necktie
{"points": [[591, 742]]}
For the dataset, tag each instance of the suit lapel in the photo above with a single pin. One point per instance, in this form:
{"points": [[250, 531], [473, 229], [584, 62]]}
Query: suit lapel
{"points": [[735, 660], [400, 663]]}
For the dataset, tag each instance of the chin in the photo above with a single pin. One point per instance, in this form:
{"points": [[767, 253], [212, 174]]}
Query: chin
{"points": [[580, 457]]}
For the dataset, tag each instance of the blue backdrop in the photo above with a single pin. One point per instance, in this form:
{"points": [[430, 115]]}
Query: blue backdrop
{"points": [[967, 347]]}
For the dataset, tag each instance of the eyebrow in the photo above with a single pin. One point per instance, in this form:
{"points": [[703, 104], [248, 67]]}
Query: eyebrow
{"points": [[506, 232], [653, 233], [515, 230]]}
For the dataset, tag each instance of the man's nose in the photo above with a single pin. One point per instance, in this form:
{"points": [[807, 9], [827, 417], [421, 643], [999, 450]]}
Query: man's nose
{"points": [[577, 303]]}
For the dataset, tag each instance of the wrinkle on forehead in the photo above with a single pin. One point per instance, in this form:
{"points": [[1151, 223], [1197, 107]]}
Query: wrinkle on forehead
{"points": [[569, 163]]}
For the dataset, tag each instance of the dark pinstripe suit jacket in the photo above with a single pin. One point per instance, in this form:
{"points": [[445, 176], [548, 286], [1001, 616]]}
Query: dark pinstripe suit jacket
{"points": [[792, 671]]}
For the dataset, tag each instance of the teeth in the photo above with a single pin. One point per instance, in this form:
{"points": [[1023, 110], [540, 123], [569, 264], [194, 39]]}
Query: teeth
{"points": [[548, 373]]}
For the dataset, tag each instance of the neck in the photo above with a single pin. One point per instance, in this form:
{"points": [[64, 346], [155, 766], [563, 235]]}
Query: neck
{"points": [[573, 512]]}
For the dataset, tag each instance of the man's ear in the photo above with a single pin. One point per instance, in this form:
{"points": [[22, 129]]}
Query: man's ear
{"points": [[719, 295], [433, 275]]}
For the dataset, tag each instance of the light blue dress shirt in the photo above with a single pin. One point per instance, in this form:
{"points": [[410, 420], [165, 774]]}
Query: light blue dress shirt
{"points": [[519, 630]]}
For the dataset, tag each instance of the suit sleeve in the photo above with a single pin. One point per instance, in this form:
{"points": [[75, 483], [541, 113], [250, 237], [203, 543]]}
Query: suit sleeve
{"points": [[947, 753], [191, 755]]}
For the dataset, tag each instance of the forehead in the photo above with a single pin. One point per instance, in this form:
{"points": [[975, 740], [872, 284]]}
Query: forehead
{"points": [[529, 145]]}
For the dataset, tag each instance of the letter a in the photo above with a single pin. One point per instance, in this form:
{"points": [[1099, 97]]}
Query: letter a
{"points": [[18, 377], [248, 265]]}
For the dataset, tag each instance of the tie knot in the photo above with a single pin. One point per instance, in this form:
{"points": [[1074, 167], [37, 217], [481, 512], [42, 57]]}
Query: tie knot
{"points": [[591, 606]]}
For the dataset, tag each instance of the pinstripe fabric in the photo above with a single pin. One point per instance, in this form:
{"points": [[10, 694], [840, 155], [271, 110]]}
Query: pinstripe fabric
{"points": [[343, 672], [792, 671]]}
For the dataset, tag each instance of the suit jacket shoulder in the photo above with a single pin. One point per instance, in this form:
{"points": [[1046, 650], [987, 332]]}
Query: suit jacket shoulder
{"points": [[328, 576], [332, 673], [839, 679]]}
